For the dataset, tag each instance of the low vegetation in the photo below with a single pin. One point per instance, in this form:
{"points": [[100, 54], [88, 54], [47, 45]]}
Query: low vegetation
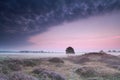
{"points": [[47, 74], [21, 76], [56, 60], [90, 66]]}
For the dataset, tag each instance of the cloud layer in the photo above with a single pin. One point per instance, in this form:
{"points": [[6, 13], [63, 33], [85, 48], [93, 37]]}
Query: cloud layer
{"points": [[20, 19]]}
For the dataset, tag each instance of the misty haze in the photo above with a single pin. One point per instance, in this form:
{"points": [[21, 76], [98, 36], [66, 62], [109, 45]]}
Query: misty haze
{"points": [[59, 39]]}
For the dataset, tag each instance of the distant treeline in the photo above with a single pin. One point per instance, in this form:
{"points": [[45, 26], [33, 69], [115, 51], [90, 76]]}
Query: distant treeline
{"points": [[113, 51], [25, 51]]}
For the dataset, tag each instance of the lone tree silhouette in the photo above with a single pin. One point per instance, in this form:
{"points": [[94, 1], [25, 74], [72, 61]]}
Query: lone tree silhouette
{"points": [[70, 50]]}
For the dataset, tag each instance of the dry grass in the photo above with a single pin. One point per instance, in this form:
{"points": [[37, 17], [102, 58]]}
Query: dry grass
{"points": [[89, 66], [101, 68]]}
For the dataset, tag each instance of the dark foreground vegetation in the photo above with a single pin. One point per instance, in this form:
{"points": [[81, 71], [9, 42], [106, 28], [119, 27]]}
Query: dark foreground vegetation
{"points": [[90, 66]]}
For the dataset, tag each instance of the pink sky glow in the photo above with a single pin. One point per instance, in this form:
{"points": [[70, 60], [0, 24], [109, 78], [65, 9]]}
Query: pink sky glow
{"points": [[97, 32]]}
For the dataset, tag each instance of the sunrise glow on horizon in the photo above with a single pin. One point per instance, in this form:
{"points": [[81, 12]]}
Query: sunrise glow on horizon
{"points": [[94, 33], [53, 25]]}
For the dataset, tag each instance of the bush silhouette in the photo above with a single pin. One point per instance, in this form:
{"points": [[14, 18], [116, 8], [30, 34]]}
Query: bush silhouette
{"points": [[70, 50]]}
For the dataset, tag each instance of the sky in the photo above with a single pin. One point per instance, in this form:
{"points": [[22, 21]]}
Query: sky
{"points": [[53, 25]]}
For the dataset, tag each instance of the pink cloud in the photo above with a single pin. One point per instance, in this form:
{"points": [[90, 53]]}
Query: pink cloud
{"points": [[81, 34]]}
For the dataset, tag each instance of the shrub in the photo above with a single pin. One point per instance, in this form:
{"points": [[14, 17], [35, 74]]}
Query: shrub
{"points": [[70, 50], [86, 72], [29, 62], [14, 66], [82, 60], [8, 66], [56, 60], [3, 77], [112, 77], [47, 75], [5, 69], [21, 76]]}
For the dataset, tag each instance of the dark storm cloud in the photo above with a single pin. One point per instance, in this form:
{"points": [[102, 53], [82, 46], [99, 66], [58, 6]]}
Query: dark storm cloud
{"points": [[20, 19]]}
